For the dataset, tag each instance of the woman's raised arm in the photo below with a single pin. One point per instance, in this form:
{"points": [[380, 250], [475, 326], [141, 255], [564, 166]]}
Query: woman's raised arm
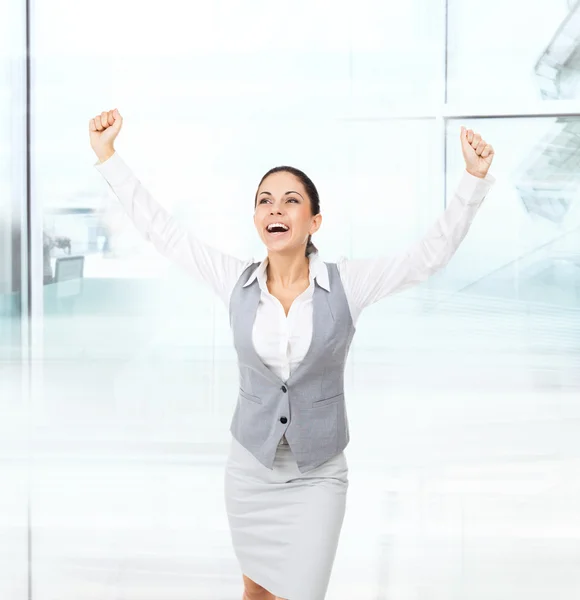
{"points": [[171, 238], [368, 280]]}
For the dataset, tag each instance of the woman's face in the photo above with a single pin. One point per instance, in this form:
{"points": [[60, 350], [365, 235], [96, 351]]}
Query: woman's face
{"points": [[282, 199]]}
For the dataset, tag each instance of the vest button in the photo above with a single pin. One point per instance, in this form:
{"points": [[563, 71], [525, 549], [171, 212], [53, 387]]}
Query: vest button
{"points": [[284, 420], [284, 388]]}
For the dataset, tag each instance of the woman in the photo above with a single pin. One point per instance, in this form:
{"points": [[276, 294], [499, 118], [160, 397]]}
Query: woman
{"points": [[293, 318]]}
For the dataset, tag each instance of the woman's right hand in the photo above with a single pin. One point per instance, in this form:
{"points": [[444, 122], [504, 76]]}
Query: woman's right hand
{"points": [[103, 129]]}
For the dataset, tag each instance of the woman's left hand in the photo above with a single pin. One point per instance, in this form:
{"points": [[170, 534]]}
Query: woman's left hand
{"points": [[478, 154]]}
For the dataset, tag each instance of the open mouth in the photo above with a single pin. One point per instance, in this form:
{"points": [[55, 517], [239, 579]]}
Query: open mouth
{"points": [[277, 229]]}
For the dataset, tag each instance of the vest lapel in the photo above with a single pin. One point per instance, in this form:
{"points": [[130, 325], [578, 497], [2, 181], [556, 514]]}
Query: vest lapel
{"points": [[254, 293]]}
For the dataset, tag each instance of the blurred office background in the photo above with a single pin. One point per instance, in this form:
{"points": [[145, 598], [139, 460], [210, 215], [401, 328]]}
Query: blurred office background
{"points": [[117, 374]]}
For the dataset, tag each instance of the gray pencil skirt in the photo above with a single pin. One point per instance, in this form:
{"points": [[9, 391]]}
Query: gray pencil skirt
{"points": [[285, 525]]}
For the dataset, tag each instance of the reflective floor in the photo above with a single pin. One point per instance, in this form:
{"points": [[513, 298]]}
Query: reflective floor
{"points": [[464, 469], [495, 529]]}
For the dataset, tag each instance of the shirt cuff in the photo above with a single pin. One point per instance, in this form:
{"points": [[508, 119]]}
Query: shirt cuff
{"points": [[114, 169], [472, 188]]}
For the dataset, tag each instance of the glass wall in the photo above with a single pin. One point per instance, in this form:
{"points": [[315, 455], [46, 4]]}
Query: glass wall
{"points": [[462, 392], [14, 458], [516, 51]]}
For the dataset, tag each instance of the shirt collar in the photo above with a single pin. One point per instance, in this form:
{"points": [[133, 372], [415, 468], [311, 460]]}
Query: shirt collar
{"points": [[318, 271]]}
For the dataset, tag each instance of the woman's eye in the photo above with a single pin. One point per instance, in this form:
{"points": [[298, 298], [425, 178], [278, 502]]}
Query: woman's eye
{"points": [[266, 199]]}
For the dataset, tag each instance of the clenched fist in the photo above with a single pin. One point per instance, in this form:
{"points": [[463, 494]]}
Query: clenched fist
{"points": [[478, 154], [103, 129]]}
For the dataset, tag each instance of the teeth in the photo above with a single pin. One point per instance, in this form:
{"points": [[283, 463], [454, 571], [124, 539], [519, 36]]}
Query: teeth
{"points": [[277, 225]]}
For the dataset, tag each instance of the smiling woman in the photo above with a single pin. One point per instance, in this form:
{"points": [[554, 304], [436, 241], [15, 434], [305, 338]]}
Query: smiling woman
{"points": [[293, 319], [300, 212]]}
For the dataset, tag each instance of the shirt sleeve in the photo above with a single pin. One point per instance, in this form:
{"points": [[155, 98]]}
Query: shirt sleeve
{"points": [[368, 280], [171, 238]]}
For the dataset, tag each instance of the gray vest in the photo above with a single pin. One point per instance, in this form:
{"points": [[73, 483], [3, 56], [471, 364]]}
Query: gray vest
{"points": [[309, 408]]}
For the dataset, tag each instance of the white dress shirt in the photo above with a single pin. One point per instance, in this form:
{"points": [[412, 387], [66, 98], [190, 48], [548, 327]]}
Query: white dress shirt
{"points": [[282, 341]]}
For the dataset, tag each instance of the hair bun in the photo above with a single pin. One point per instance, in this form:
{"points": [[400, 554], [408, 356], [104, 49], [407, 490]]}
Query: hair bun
{"points": [[310, 247]]}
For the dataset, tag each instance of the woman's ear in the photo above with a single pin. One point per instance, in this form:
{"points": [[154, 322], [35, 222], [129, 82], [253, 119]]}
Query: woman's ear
{"points": [[316, 223]]}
